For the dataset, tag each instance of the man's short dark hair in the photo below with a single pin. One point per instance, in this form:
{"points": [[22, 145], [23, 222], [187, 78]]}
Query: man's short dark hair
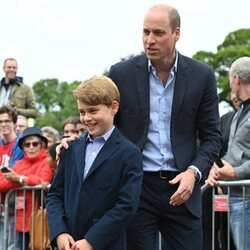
{"points": [[6, 109]]}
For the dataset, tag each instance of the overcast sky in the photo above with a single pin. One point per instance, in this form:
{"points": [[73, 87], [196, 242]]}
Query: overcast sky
{"points": [[76, 39]]}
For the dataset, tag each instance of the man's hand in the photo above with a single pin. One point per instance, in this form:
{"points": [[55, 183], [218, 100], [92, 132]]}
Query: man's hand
{"points": [[227, 172], [186, 182], [64, 144], [64, 241], [82, 245], [213, 176]]}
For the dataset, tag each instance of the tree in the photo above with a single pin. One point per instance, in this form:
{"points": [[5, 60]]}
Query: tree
{"points": [[56, 102], [235, 45], [46, 93]]}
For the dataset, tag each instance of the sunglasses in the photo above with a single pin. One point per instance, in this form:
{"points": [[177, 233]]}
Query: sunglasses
{"points": [[28, 144]]}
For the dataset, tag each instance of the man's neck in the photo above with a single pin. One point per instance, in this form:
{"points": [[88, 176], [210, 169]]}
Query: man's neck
{"points": [[6, 80], [163, 68], [9, 138], [165, 64], [245, 93]]}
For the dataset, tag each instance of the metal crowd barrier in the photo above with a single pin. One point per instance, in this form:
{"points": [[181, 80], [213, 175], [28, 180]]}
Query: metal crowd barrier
{"points": [[221, 204], [9, 211]]}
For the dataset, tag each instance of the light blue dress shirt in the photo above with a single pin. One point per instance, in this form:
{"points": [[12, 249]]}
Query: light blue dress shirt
{"points": [[93, 148], [158, 153]]}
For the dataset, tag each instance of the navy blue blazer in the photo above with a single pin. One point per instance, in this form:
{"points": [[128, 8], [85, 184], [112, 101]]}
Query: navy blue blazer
{"points": [[194, 113], [100, 207]]}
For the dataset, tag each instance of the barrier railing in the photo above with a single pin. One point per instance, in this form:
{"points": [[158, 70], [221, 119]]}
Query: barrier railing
{"points": [[221, 204], [37, 200]]}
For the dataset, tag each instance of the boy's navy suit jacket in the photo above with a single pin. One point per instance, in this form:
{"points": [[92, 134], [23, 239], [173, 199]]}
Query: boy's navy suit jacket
{"points": [[99, 207]]}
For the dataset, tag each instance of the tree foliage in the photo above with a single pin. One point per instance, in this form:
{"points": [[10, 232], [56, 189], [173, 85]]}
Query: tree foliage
{"points": [[56, 102], [235, 45]]}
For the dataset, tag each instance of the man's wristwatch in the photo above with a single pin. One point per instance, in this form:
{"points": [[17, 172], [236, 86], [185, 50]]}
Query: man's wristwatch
{"points": [[196, 174]]}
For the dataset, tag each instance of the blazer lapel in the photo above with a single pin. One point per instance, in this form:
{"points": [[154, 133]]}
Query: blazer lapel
{"points": [[80, 157], [180, 86], [110, 146], [142, 82]]}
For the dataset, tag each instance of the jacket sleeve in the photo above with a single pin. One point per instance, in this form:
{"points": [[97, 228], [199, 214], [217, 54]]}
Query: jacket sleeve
{"points": [[6, 185], [30, 110], [55, 203]]}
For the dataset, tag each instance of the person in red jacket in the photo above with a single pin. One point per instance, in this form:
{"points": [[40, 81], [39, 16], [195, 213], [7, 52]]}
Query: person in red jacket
{"points": [[32, 170]]}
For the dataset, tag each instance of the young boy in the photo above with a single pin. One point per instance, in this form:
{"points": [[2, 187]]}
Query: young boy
{"points": [[96, 190]]}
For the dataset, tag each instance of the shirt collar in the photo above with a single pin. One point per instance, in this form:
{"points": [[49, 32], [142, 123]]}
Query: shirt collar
{"points": [[245, 103], [103, 137], [174, 68]]}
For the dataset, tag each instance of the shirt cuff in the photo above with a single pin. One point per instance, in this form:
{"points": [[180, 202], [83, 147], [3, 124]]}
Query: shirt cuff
{"points": [[196, 170]]}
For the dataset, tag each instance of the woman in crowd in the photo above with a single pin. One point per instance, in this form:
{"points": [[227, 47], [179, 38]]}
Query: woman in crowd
{"points": [[33, 169]]}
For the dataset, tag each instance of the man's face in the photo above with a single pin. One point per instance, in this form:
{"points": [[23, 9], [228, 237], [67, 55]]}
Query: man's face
{"points": [[10, 69], [21, 124], [6, 125], [235, 87], [158, 38]]}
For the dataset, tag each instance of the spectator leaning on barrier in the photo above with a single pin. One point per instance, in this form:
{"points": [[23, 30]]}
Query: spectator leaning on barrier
{"points": [[32, 170], [10, 152], [237, 159], [13, 91]]}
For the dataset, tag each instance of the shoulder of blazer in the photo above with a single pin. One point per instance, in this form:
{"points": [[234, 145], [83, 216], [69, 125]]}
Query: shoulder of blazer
{"points": [[140, 61], [119, 138], [76, 144], [187, 62]]}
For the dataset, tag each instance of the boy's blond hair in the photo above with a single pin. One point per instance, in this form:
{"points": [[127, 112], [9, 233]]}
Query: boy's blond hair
{"points": [[97, 90]]}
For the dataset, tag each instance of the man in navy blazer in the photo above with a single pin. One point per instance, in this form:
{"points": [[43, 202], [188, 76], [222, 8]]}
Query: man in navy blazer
{"points": [[168, 101], [96, 190]]}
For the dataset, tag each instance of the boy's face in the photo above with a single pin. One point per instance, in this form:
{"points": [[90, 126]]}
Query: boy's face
{"points": [[97, 119]]}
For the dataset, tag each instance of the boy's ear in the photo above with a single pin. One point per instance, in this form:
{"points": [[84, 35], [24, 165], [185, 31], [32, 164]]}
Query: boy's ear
{"points": [[115, 107]]}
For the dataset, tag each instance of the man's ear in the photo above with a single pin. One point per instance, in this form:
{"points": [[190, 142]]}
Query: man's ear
{"points": [[237, 79]]}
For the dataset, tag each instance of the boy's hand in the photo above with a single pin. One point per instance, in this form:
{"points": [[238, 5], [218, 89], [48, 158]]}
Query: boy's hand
{"points": [[64, 144], [64, 241], [82, 245]]}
